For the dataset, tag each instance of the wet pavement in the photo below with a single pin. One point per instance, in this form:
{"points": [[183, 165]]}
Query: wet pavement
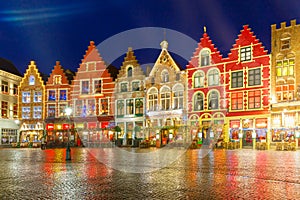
{"points": [[222, 174]]}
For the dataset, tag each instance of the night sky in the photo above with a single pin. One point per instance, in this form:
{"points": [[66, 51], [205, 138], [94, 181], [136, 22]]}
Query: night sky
{"points": [[46, 31]]}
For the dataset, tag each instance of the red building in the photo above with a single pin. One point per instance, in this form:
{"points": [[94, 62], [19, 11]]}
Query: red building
{"points": [[206, 97], [58, 90], [247, 81], [92, 92]]}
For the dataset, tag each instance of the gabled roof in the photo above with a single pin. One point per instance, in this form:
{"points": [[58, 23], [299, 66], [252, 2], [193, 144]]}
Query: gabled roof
{"points": [[91, 54], [164, 59], [8, 66], [58, 70]]}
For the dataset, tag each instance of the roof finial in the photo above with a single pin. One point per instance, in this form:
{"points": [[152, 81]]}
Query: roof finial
{"points": [[204, 28]]}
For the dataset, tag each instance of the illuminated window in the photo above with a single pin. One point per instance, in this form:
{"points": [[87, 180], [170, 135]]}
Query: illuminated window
{"points": [[78, 107], [4, 109], [199, 80], [213, 77], [129, 106], [37, 97], [85, 87], [285, 92], [62, 109], [165, 76], [37, 112], [104, 106], [213, 100], [254, 99], [26, 97], [204, 58], [165, 98], [139, 106], [4, 87], [254, 77], [25, 112], [285, 43], [91, 107], [198, 101], [152, 100], [51, 110], [245, 54], [15, 110], [285, 67], [237, 101], [237, 79], [31, 80]]}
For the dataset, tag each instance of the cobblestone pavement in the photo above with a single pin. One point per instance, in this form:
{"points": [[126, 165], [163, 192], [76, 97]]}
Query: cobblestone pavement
{"points": [[223, 174]]}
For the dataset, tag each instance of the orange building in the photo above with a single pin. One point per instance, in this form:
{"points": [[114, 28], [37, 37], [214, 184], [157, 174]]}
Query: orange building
{"points": [[58, 93]]}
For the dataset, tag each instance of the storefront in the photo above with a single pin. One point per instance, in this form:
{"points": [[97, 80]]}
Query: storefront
{"points": [[59, 134], [9, 131]]}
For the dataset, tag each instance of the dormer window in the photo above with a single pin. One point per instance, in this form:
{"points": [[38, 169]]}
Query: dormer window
{"points": [[245, 54], [205, 57], [129, 71], [165, 76], [31, 80]]}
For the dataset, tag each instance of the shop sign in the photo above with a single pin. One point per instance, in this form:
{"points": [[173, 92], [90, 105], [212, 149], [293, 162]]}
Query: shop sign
{"points": [[50, 127], [65, 126], [104, 124], [81, 125], [92, 125]]}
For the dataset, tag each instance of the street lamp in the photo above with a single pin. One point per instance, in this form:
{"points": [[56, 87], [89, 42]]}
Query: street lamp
{"points": [[68, 112]]}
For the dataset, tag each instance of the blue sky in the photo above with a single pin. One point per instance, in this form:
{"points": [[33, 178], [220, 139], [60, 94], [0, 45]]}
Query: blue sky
{"points": [[46, 31]]}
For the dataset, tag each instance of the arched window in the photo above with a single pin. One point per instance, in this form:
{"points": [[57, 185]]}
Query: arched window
{"points": [[165, 98], [165, 76], [31, 80], [213, 77], [205, 57], [152, 99], [199, 79], [129, 71], [178, 96], [198, 101], [213, 100]]}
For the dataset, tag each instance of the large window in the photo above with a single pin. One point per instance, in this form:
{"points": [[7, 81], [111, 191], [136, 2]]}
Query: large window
{"points": [[198, 101], [120, 107], [4, 109], [4, 87], [285, 92], [165, 76], [205, 58], [26, 97], [139, 108], [91, 107], [37, 112], [51, 110], [254, 77], [213, 100], [129, 107], [85, 87], [25, 112], [285, 67], [165, 98], [78, 107], [62, 109], [213, 77], [38, 96], [15, 110], [152, 99], [199, 80], [15, 89], [63, 95], [237, 101], [98, 86], [254, 99], [245, 54], [178, 97], [237, 79]]}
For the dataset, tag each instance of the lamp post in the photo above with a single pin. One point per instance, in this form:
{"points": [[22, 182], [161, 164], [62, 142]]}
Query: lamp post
{"points": [[17, 122], [241, 138], [254, 139], [68, 112]]}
